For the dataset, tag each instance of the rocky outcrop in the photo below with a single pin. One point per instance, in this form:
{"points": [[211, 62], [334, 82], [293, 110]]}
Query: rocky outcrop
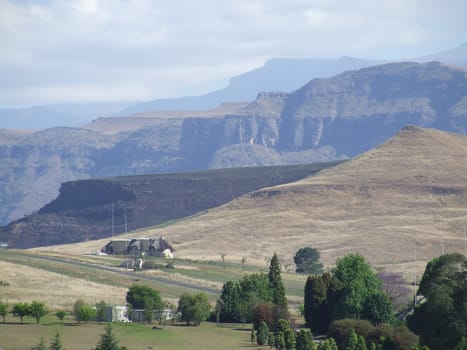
{"points": [[93, 209]]}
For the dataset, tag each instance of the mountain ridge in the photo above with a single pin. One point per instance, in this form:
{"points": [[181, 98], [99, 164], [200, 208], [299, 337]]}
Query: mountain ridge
{"points": [[327, 119]]}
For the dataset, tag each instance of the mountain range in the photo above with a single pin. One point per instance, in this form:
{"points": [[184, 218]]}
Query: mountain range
{"points": [[277, 74], [326, 119]]}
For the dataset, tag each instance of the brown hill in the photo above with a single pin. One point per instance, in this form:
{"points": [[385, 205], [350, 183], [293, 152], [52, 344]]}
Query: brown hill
{"points": [[401, 202]]}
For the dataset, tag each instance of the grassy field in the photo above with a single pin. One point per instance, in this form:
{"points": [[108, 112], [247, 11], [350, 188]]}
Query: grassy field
{"points": [[59, 283], [134, 336]]}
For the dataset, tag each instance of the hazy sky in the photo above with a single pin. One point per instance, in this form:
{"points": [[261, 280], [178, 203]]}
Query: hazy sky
{"points": [[54, 51]]}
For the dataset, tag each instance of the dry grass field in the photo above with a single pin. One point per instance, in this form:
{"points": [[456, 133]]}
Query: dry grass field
{"points": [[57, 291], [399, 205]]}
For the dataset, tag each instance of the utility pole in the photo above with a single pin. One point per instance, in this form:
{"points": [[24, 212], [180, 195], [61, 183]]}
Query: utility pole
{"points": [[126, 225], [112, 219]]}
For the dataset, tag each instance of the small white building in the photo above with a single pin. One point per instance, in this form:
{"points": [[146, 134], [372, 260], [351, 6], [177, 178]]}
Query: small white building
{"points": [[116, 313]]}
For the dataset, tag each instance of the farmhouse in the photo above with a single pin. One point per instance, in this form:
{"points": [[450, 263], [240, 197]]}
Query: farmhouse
{"points": [[154, 246]]}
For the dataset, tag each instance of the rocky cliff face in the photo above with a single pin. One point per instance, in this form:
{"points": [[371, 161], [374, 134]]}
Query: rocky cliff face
{"points": [[86, 209], [325, 119]]}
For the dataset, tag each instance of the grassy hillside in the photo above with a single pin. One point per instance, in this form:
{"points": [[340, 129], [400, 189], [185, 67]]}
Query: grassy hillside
{"points": [[399, 205]]}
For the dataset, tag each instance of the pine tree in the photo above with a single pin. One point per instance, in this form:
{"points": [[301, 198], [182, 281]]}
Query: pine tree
{"points": [[305, 340], [361, 345], [263, 333], [108, 341], [275, 282], [56, 343], [40, 346], [351, 342]]}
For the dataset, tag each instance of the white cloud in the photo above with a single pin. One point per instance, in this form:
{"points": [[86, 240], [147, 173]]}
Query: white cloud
{"points": [[169, 48]]}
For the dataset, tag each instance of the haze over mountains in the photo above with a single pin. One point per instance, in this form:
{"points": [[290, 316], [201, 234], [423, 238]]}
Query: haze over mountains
{"points": [[326, 119], [278, 74]]}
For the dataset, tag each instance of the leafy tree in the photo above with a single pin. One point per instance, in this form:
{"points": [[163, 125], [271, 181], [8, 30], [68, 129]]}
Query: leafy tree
{"points": [[271, 339], [361, 345], [61, 315], [289, 335], [41, 345], [37, 310], [396, 337], [108, 341], [3, 310], [307, 261], [56, 343], [194, 308], [378, 309], [328, 344], [275, 282], [20, 310], [137, 296], [239, 298], [359, 282], [148, 310], [441, 321], [262, 334], [230, 300], [83, 312], [101, 311], [305, 340], [264, 312], [352, 341], [279, 340]]}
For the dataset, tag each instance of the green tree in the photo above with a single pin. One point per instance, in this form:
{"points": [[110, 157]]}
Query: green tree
{"points": [[21, 310], [271, 339], [441, 321], [279, 340], [148, 310], [275, 282], [307, 260], [239, 298], [41, 345], [137, 296], [262, 334], [101, 311], [194, 308], [321, 295], [289, 335], [305, 340], [351, 342], [61, 315], [3, 310], [83, 312], [108, 341], [359, 283], [361, 345], [378, 309], [56, 343], [37, 310]]}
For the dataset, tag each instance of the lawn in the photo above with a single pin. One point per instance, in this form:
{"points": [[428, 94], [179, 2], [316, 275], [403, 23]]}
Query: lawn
{"points": [[135, 336]]}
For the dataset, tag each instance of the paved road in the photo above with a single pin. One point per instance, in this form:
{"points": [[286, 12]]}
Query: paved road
{"points": [[121, 272]]}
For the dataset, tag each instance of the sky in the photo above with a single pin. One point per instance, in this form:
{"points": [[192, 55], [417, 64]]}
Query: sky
{"points": [[88, 51]]}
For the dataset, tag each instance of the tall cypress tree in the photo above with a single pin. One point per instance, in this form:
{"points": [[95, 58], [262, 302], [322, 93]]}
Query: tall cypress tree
{"points": [[275, 282]]}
